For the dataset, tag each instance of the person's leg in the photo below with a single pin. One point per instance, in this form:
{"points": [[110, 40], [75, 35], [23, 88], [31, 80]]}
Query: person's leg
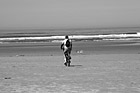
{"points": [[66, 58], [68, 63], [65, 62]]}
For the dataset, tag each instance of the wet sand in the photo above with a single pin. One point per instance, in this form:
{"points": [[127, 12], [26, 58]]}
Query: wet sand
{"points": [[102, 67], [53, 48]]}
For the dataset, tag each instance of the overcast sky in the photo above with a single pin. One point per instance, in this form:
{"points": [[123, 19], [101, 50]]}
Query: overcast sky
{"points": [[69, 13]]}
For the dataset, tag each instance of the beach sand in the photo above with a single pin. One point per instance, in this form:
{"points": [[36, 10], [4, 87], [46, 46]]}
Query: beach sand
{"points": [[109, 68]]}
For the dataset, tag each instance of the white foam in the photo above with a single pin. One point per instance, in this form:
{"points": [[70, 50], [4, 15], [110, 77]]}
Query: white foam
{"points": [[109, 36]]}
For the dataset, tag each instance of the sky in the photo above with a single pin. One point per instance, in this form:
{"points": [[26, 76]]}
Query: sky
{"points": [[69, 13]]}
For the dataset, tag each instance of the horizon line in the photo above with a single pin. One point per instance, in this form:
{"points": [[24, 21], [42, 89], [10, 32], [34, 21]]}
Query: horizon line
{"points": [[85, 28]]}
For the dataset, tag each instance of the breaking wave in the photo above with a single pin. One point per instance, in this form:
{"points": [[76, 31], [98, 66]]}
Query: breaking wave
{"points": [[59, 38]]}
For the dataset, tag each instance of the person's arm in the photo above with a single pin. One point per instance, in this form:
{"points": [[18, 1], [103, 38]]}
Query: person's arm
{"points": [[62, 46], [71, 45]]}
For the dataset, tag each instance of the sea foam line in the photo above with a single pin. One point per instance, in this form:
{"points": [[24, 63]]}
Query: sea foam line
{"points": [[109, 36]]}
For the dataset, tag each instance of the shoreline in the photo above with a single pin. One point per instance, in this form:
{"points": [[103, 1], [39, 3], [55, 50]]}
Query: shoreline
{"points": [[79, 48]]}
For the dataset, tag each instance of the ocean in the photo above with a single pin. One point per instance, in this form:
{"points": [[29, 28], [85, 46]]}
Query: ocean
{"points": [[85, 41], [56, 35]]}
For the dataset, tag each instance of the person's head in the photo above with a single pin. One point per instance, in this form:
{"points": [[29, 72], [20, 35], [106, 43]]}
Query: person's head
{"points": [[66, 37]]}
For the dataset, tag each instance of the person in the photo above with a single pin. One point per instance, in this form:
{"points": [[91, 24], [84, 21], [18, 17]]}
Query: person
{"points": [[66, 46]]}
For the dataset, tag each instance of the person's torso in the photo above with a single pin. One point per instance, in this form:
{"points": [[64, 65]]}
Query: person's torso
{"points": [[67, 43]]}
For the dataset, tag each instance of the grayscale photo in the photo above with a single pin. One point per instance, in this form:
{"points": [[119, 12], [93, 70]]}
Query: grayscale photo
{"points": [[69, 46]]}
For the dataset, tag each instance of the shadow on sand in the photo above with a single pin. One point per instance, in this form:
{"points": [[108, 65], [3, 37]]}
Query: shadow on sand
{"points": [[75, 65]]}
